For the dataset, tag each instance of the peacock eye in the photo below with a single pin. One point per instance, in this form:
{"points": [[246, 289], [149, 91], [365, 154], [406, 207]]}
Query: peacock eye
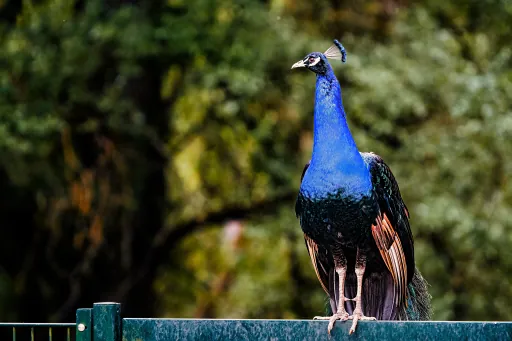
{"points": [[311, 60]]}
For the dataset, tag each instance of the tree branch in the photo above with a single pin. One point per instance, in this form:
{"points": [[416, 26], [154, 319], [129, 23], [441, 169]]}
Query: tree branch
{"points": [[169, 236]]}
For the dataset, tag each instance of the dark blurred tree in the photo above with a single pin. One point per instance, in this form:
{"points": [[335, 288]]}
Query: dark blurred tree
{"points": [[78, 116]]}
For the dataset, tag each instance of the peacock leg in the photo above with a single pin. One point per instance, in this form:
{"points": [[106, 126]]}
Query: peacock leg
{"points": [[358, 311], [340, 263]]}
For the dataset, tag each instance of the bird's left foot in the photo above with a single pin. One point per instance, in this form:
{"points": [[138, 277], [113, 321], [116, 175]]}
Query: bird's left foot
{"points": [[358, 316]]}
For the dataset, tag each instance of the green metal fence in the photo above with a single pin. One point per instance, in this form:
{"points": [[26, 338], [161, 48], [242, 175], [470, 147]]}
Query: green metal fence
{"points": [[37, 331], [103, 322]]}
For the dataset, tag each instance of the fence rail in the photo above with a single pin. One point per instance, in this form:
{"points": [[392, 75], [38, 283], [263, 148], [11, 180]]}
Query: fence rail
{"points": [[103, 322], [37, 331]]}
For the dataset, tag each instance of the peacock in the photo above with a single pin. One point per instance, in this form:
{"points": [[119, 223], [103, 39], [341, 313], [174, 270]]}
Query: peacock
{"points": [[355, 223]]}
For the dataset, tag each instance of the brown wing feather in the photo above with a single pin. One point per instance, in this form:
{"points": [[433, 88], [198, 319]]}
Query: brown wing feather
{"points": [[391, 230], [390, 248], [321, 270]]}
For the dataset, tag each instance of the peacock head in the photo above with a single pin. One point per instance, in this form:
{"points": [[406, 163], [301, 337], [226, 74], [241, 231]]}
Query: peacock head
{"points": [[317, 62]]}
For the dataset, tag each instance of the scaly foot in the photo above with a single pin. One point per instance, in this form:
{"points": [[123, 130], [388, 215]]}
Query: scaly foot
{"points": [[358, 316], [342, 316]]}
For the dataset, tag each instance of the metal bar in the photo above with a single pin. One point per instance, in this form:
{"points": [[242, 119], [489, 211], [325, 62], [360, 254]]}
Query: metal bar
{"points": [[24, 327], [84, 324], [21, 324], [309, 330], [106, 321]]}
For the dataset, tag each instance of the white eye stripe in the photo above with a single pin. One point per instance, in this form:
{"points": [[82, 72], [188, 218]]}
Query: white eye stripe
{"points": [[316, 61]]}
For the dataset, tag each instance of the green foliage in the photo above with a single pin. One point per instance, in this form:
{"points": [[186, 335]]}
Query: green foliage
{"points": [[451, 119], [130, 133]]}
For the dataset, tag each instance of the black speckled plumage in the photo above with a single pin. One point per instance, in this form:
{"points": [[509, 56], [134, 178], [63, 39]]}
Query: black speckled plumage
{"points": [[351, 212]]}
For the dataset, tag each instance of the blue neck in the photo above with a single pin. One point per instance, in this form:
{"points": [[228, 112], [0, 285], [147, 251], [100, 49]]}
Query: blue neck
{"points": [[336, 162], [332, 139]]}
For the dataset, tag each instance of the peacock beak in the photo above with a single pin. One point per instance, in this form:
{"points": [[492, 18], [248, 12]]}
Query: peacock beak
{"points": [[300, 63]]}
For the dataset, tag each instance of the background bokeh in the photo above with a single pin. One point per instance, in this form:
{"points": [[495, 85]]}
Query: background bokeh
{"points": [[151, 151]]}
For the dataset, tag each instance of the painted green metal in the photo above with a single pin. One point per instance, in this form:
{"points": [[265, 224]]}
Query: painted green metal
{"points": [[106, 321], [84, 324], [36, 331], [190, 329], [36, 325]]}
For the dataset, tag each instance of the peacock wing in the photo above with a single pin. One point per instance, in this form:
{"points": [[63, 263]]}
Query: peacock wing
{"points": [[391, 230]]}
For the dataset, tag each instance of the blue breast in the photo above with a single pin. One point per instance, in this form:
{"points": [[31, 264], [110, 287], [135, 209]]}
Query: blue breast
{"points": [[349, 181]]}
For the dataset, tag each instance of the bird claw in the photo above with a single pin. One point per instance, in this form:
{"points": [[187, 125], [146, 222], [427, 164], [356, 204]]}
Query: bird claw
{"points": [[343, 316], [358, 316]]}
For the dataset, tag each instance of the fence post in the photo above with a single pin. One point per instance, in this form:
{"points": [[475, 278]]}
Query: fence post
{"points": [[106, 320], [84, 324]]}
